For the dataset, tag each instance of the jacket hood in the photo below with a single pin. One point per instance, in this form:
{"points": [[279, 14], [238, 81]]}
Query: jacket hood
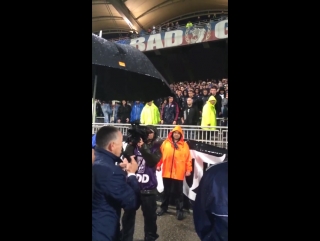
{"points": [[212, 98], [176, 128], [150, 106]]}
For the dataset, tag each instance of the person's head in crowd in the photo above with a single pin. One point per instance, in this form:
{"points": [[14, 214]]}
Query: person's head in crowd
{"points": [[164, 102], [182, 88], [110, 139], [197, 91], [190, 93], [189, 101], [124, 102], [226, 87], [170, 99], [212, 100], [149, 103], [200, 88], [205, 92], [185, 93], [213, 90], [179, 93]]}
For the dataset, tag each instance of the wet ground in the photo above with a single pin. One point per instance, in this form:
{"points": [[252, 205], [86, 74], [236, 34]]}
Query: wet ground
{"points": [[169, 228]]}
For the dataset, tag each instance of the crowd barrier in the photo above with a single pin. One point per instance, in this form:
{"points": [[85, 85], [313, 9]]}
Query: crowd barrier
{"points": [[217, 137]]}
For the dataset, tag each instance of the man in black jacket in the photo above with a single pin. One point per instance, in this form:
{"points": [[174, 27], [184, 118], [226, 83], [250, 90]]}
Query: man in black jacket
{"points": [[190, 117], [124, 111], [148, 155]]}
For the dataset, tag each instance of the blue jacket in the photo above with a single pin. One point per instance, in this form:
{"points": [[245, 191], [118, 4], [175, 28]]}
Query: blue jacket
{"points": [[210, 211], [136, 112], [170, 113], [94, 141], [112, 190]]}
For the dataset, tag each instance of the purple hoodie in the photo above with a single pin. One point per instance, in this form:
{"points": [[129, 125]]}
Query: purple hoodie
{"points": [[146, 175]]}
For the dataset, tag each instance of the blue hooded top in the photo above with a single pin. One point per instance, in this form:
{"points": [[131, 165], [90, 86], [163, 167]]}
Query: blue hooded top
{"points": [[94, 141]]}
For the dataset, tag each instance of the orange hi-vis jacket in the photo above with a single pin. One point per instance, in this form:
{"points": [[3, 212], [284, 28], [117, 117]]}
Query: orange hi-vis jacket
{"points": [[176, 162]]}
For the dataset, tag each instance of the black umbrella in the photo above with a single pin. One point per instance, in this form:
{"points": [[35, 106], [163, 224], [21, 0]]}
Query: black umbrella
{"points": [[123, 72]]}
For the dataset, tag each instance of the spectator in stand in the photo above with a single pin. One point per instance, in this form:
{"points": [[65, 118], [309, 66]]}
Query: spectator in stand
{"points": [[222, 93], [177, 25], [124, 112], [107, 111], [163, 104], [189, 24], [208, 120], [150, 114], [180, 101], [204, 97], [136, 112], [170, 112], [225, 111], [213, 92], [196, 101], [115, 107], [190, 116]]}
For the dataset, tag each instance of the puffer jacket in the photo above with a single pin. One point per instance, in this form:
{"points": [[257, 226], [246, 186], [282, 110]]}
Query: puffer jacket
{"points": [[176, 159]]}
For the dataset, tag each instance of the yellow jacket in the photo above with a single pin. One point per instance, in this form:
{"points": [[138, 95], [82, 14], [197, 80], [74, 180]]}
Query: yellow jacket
{"points": [[150, 115], [209, 114]]}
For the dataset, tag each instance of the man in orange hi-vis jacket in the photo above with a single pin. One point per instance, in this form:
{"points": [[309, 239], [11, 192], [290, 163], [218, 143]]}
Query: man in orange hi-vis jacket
{"points": [[176, 160]]}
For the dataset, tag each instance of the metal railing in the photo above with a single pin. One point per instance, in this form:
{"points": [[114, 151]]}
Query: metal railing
{"points": [[217, 137]]}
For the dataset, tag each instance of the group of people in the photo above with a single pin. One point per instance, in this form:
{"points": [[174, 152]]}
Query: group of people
{"points": [[194, 103], [126, 179]]}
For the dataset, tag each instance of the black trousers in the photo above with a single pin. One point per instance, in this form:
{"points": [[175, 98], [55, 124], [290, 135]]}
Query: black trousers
{"points": [[149, 208], [172, 188], [128, 222]]}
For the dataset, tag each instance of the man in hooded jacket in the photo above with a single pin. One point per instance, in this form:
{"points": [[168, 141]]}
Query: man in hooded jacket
{"points": [[176, 160], [150, 114], [136, 110], [208, 120], [148, 155]]}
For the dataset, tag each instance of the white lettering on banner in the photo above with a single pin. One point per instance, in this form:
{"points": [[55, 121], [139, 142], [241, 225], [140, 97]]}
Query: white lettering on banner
{"points": [[154, 41], [175, 35], [144, 178], [138, 42], [200, 158], [221, 29]]}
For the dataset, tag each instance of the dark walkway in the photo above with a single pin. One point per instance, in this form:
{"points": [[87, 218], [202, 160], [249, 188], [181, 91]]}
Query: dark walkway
{"points": [[169, 228]]}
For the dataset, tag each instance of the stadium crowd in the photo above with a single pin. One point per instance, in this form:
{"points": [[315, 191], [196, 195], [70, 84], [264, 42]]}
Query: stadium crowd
{"points": [[170, 109]]}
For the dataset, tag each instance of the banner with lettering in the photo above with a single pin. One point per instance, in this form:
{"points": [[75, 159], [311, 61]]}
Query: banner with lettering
{"points": [[203, 156], [198, 33]]}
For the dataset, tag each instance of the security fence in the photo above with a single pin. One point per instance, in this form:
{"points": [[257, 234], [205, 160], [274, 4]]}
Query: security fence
{"points": [[217, 137]]}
